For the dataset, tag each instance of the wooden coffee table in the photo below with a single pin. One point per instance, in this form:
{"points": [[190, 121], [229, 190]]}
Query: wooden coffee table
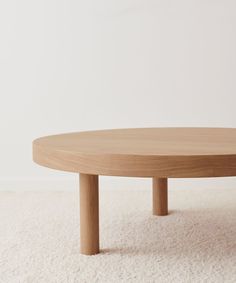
{"points": [[158, 153]]}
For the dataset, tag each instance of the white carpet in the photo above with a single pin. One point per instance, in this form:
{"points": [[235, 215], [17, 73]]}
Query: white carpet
{"points": [[39, 238]]}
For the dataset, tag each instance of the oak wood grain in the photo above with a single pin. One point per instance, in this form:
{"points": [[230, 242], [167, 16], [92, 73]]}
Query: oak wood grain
{"points": [[147, 152], [160, 196], [89, 214]]}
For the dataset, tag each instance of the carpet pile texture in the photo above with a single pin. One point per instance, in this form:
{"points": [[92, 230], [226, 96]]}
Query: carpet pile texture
{"points": [[196, 242]]}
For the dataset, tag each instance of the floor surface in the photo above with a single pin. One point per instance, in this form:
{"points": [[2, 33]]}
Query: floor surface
{"points": [[196, 242]]}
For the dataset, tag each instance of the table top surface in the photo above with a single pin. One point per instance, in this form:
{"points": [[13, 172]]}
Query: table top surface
{"points": [[114, 152]]}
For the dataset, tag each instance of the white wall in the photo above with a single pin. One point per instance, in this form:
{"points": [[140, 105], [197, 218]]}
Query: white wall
{"points": [[79, 65]]}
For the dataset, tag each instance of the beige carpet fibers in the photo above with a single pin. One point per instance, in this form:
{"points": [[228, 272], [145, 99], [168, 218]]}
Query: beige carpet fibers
{"points": [[39, 238]]}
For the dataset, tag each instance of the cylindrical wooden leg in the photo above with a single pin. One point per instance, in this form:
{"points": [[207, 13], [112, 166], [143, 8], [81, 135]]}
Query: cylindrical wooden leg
{"points": [[89, 214], [160, 196]]}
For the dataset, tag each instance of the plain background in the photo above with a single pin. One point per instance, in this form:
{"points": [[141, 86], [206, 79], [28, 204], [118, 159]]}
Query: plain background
{"points": [[83, 65]]}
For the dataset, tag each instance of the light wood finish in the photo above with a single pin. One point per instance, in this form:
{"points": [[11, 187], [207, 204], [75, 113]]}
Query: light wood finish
{"points": [[89, 214], [160, 196], [161, 152]]}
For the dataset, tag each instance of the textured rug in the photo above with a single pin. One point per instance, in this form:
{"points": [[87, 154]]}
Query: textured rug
{"points": [[196, 242]]}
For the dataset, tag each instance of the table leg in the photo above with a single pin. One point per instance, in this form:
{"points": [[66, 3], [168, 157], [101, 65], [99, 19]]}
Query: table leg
{"points": [[89, 214], [160, 196]]}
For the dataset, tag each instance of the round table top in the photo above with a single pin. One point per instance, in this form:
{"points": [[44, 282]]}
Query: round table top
{"points": [[144, 152]]}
